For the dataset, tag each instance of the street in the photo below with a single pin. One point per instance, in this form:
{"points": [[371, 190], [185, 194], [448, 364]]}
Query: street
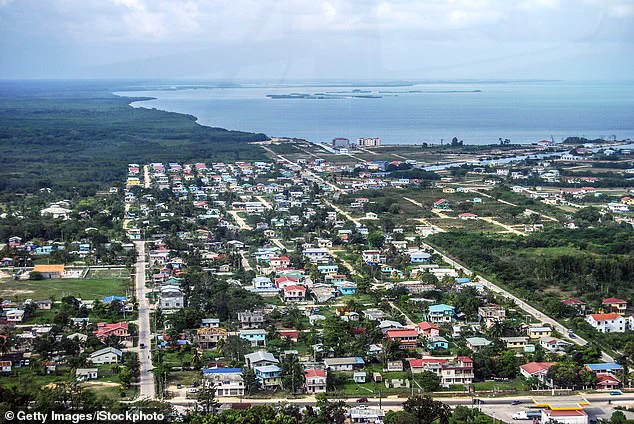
{"points": [[146, 380]]}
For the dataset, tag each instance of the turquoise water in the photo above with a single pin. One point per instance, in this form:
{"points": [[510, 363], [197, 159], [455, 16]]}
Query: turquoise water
{"points": [[522, 112]]}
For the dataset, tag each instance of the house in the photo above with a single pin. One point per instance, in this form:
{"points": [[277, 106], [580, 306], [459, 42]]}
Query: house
{"points": [[553, 344], [49, 271], [315, 380], [515, 342], [442, 204], [610, 368], [608, 375], [372, 257], [536, 369], [5, 367], [294, 293], [268, 376], [613, 304], [226, 381], [607, 323], [406, 338], [359, 377], [257, 337], [476, 343], [491, 314], [209, 337], [210, 322], [373, 314], [346, 288], [607, 382], [289, 334], [251, 319], [107, 355], [43, 305], [417, 257], [394, 366], [467, 215], [576, 304], [14, 315], [538, 332], [458, 370], [172, 297], [437, 342], [84, 374], [565, 416], [366, 415], [427, 329], [344, 364], [260, 358], [317, 254], [279, 262], [105, 330], [441, 313]]}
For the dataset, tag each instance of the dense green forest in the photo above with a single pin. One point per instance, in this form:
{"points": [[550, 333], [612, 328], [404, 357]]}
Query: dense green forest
{"points": [[78, 136], [588, 263]]}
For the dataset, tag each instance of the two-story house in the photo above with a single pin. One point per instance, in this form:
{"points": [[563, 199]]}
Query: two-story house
{"points": [[315, 380]]}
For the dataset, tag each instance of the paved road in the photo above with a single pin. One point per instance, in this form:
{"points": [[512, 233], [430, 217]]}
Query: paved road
{"points": [[147, 181], [342, 212], [143, 324], [305, 171], [240, 221], [540, 316], [501, 408]]}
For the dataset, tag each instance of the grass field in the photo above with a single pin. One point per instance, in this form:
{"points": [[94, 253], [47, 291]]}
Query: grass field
{"points": [[92, 288]]}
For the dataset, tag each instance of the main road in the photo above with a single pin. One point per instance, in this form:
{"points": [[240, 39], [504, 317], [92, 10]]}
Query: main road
{"points": [[146, 380]]}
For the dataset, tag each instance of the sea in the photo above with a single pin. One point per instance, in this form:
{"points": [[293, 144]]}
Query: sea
{"points": [[475, 112]]}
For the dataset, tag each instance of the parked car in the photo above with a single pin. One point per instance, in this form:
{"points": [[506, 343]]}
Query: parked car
{"points": [[362, 400], [616, 392]]}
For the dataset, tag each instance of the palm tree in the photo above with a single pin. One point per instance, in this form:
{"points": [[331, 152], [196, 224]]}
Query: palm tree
{"points": [[197, 358], [5, 344]]}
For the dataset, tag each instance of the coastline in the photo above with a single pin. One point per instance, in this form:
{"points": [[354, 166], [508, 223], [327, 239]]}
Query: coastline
{"points": [[397, 122]]}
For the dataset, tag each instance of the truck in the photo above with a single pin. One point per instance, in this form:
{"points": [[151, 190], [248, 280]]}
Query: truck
{"points": [[526, 415]]}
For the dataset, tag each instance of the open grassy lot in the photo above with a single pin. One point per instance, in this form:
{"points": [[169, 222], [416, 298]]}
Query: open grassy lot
{"points": [[91, 288]]}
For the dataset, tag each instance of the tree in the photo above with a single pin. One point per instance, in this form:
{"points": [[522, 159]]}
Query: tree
{"points": [[468, 301], [125, 378], [400, 417], [426, 410], [197, 358], [206, 399], [234, 348], [293, 374], [618, 417], [429, 381], [250, 382], [331, 412]]}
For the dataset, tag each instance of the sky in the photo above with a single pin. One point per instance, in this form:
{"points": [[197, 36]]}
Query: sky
{"points": [[284, 40]]}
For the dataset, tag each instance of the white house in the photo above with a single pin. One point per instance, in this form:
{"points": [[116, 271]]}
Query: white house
{"points": [[107, 355], [607, 323]]}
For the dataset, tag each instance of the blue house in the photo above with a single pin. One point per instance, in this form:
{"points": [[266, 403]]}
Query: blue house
{"points": [[419, 257], [346, 287], [209, 371], [441, 313], [47, 250], [256, 337], [109, 299], [608, 368], [438, 342], [268, 376], [464, 280]]}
